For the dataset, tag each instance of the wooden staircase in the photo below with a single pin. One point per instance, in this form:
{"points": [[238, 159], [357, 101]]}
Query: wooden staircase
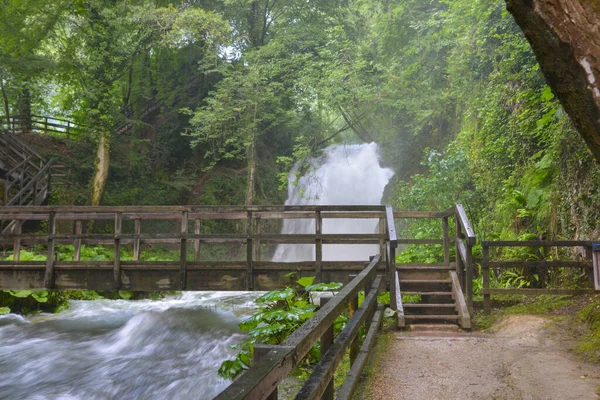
{"points": [[429, 295], [25, 176]]}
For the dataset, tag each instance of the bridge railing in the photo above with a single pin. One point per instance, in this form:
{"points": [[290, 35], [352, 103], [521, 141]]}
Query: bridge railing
{"points": [[127, 231], [274, 363], [539, 264], [42, 124]]}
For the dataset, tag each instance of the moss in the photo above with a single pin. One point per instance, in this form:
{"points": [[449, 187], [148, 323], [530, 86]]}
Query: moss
{"points": [[590, 344]]}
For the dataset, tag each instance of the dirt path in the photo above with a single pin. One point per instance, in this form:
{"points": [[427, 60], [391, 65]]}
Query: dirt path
{"points": [[525, 357]]}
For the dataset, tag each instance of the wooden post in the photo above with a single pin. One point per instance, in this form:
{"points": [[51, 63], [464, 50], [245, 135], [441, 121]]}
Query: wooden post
{"points": [[183, 251], [256, 241], [77, 244], [261, 350], [459, 260], [117, 256], [319, 246], [249, 248], [49, 275], [137, 229], [382, 230], [469, 277], [17, 242], [543, 272], [45, 125], [485, 270], [354, 346], [326, 343], [68, 126], [446, 241], [197, 241], [595, 253]]}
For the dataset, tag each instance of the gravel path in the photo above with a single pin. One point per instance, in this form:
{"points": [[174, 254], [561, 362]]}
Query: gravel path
{"points": [[525, 357]]}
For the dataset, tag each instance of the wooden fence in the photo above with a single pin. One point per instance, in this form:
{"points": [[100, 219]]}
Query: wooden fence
{"points": [[541, 248], [181, 230], [274, 363], [42, 124]]}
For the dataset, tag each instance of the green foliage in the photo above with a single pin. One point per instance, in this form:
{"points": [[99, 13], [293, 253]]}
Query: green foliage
{"points": [[590, 344], [280, 314]]}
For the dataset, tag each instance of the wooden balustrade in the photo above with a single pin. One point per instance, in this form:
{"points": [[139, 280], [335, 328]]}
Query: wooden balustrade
{"points": [[542, 266]]}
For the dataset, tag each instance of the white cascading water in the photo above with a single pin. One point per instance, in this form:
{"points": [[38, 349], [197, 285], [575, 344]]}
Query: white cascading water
{"points": [[344, 175]]}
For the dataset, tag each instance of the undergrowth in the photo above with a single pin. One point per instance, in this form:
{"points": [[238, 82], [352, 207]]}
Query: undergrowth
{"points": [[590, 344]]}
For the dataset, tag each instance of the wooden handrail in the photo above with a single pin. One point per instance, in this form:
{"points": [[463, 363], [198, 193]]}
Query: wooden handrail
{"points": [[465, 224], [266, 374]]}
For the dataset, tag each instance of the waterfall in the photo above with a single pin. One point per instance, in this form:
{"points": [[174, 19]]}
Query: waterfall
{"points": [[343, 175]]}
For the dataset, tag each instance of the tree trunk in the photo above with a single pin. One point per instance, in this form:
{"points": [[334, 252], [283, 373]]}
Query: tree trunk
{"points": [[101, 168], [565, 38], [251, 170]]}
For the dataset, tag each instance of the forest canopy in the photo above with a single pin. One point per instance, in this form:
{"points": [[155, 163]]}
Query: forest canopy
{"points": [[209, 102]]}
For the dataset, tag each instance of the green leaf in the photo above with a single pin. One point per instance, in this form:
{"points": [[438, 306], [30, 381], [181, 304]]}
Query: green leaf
{"points": [[320, 287], [125, 294], [4, 310], [41, 296], [276, 295], [306, 281], [20, 293]]}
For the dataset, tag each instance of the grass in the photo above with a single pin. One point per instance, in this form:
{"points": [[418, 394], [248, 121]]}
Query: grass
{"points": [[589, 347], [510, 305]]}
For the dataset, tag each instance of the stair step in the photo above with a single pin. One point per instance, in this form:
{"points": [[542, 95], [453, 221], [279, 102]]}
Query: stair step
{"points": [[426, 317], [424, 267], [420, 305], [413, 293], [415, 281]]}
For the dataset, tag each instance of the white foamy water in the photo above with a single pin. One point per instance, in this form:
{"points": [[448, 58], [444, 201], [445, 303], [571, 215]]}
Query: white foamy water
{"points": [[343, 175], [118, 349]]}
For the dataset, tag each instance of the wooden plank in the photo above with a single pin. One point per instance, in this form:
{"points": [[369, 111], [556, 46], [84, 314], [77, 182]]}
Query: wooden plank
{"points": [[137, 229], [536, 243], [461, 216], [326, 343], [542, 264], [318, 246], [391, 226], [197, 242], [417, 214], [566, 292], [596, 264], [17, 242], [399, 307]]}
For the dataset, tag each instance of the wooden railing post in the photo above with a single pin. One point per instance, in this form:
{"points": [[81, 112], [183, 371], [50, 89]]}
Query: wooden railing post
{"points": [[77, 244], [469, 277], [459, 260], [257, 241], [117, 256], [485, 270], [446, 241], [49, 275], [183, 251], [355, 346], [326, 343], [137, 229], [17, 243], [249, 251], [197, 241], [45, 125], [319, 246], [596, 265]]}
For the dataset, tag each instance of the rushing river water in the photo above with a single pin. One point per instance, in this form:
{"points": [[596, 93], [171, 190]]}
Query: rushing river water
{"points": [[172, 348], [118, 349]]}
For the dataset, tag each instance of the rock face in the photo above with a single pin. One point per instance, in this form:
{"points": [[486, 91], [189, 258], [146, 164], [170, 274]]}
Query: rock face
{"points": [[565, 37]]}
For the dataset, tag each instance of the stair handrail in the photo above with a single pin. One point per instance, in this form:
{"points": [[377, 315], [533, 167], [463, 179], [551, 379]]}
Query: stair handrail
{"points": [[465, 240], [393, 279]]}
